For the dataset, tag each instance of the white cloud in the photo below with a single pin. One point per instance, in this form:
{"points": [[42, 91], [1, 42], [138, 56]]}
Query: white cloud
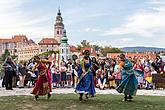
{"points": [[101, 43], [144, 23], [13, 20], [92, 29]]}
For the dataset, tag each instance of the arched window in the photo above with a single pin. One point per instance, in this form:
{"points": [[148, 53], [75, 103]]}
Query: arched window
{"points": [[57, 31], [60, 31]]}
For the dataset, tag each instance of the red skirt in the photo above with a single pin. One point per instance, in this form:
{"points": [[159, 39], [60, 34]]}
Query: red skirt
{"points": [[43, 85]]}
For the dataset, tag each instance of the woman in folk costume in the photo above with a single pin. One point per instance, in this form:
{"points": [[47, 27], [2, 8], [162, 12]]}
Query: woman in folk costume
{"points": [[86, 82], [43, 84], [129, 83], [138, 65], [95, 67]]}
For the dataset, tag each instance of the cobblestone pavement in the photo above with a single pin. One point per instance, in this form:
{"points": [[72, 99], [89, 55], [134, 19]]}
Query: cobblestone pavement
{"points": [[26, 91]]}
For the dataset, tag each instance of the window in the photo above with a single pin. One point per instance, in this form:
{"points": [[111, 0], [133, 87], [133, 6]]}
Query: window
{"points": [[62, 51], [66, 51], [57, 31], [60, 31]]}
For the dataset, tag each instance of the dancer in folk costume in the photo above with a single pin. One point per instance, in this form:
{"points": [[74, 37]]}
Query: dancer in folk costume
{"points": [[86, 82], [129, 83], [43, 84]]}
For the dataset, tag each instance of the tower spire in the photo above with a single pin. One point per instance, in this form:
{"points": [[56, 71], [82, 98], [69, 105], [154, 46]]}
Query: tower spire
{"points": [[59, 12]]}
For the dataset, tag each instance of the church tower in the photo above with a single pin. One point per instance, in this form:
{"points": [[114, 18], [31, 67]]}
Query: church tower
{"points": [[64, 48], [58, 27]]}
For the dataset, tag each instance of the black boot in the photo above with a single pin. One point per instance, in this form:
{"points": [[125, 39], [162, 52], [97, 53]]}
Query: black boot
{"points": [[86, 96], [36, 97], [125, 98], [80, 98], [130, 98], [49, 95]]}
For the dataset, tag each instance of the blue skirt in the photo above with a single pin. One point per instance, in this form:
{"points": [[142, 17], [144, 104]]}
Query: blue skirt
{"points": [[68, 76], [86, 84], [129, 83], [63, 76], [56, 78]]}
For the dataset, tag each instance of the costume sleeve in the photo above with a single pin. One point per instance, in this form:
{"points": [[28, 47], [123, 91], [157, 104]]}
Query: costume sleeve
{"points": [[35, 67], [45, 61], [121, 64], [82, 64]]}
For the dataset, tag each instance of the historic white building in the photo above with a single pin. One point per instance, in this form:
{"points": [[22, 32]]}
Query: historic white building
{"points": [[64, 48]]}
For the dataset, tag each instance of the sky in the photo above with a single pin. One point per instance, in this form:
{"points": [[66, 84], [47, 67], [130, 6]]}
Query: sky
{"points": [[119, 23]]}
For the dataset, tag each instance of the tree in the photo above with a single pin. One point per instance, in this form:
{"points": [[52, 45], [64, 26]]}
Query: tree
{"points": [[79, 48], [84, 44], [96, 47], [106, 50], [74, 57], [5, 55]]}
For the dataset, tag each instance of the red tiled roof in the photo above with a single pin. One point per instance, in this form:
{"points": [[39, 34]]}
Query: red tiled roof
{"points": [[48, 41], [5, 40], [114, 55], [19, 38], [73, 49], [16, 38], [31, 41]]}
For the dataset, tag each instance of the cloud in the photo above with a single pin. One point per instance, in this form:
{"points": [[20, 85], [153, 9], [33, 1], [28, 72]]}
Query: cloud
{"points": [[146, 23], [101, 43], [91, 29], [14, 20]]}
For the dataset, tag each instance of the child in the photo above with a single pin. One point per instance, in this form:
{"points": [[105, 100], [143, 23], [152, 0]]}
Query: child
{"points": [[63, 70], [69, 76], [101, 81]]}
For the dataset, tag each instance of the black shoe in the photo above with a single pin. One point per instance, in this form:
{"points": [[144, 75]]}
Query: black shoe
{"points": [[7, 88], [130, 98], [80, 99], [125, 99], [86, 96], [36, 97], [49, 95]]}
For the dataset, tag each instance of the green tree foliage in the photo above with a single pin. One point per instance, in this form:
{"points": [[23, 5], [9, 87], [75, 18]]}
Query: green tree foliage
{"points": [[85, 43], [106, 50], [74, 57], [5, 55], [46, 54]]}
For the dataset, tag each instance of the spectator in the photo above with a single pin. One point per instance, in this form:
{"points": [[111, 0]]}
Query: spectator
{"points": [[10, 71]]}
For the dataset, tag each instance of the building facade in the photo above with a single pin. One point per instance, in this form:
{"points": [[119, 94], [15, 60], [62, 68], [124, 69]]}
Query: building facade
{"points": [[26, 53], [18, 41], [48, 44]]}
